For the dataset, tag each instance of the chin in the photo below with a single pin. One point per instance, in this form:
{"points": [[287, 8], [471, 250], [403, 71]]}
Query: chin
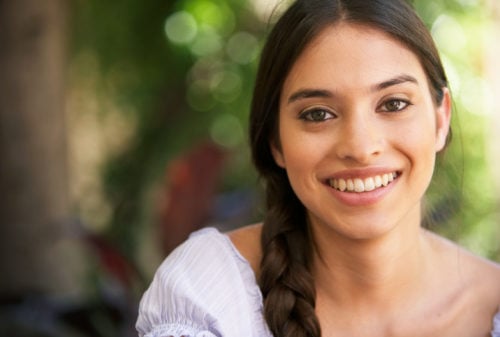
{"points": [[357, 227]]}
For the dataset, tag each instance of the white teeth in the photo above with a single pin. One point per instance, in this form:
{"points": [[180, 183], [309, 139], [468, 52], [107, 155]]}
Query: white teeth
{"points": [[359, 185], [385, 180], [350, 185], [342, 185], [369, 184]]}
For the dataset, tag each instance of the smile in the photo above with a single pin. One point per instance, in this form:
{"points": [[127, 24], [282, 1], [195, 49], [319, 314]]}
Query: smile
{"points": [[359, 185]]}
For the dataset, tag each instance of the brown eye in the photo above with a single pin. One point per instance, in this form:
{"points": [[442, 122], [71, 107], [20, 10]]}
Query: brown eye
{"points": [[316, 115], [394, 105]]}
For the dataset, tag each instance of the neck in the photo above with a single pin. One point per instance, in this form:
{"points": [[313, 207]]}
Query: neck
{"points": [[381, 270]]}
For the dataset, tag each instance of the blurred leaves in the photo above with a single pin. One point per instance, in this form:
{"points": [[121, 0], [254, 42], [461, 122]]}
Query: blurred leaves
{"points": [[176, 72], [180, 71]]}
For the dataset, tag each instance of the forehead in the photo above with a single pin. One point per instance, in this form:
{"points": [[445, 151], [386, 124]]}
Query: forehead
{"points": [[348, 56]]}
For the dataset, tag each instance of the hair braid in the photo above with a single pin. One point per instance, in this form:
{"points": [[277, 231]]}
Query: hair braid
{"points": [[285, 279]]}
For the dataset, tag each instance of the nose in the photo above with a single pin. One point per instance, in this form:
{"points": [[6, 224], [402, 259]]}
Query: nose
{"points": [[360, 139]]}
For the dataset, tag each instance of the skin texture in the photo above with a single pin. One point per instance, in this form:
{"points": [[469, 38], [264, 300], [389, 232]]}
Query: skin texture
{"points": [[357, 104]]}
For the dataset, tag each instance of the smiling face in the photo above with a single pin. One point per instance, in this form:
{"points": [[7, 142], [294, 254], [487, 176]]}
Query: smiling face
{"points": [[358, 132]]}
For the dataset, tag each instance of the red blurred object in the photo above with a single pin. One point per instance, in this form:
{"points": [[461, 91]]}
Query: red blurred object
{"points": [[192, 181], [113, 262]]}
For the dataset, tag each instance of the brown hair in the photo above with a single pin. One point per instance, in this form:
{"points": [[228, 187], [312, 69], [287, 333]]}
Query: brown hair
{"points": [[285, 277]]}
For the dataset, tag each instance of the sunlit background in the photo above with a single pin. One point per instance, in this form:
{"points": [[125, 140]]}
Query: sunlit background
{"points": [[156, 99]]}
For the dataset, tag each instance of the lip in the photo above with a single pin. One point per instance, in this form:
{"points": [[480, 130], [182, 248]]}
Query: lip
{"points": [[356, 199]]}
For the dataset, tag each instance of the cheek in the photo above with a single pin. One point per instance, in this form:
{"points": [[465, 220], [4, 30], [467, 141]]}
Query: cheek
{"points": [[419, 145], [419, 131], [302, 155], [301, 150]]}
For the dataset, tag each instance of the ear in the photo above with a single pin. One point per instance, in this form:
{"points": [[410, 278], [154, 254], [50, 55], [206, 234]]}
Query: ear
{"points": [[443, 118], [277, 154]]}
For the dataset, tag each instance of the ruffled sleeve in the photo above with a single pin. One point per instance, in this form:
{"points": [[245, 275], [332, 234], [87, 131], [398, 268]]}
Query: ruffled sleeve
{"points": [[496, 326], [200, 291], [177, 330], [162, 314], [168, 308]]}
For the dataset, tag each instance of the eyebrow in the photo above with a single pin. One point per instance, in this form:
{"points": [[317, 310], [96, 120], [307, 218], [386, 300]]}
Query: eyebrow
{"points": [[309, 93], [321, 93], [394, 81]]}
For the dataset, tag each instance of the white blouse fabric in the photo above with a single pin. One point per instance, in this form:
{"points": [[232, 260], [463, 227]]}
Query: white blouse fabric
{"points": [[206, 288], [496, 326]]}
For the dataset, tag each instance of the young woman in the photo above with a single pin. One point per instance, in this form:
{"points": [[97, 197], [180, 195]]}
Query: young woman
{"points": [[350, 108]]}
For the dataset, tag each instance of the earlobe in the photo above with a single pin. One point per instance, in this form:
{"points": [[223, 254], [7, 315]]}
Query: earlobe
{"points": [[443, 118], [277, 155]]}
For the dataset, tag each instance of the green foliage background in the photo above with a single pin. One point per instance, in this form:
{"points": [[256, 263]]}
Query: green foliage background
{"points": [[181, 71]]}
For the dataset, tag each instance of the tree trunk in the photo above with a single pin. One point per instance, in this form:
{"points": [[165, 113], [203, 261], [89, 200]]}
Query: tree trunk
{"points": [[34, 207]]}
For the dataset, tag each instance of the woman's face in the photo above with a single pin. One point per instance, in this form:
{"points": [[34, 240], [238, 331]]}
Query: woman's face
{"points": [[358, 132]]}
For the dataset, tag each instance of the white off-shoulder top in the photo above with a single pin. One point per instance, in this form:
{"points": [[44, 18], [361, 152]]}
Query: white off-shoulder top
{"points": [[206, 288]]}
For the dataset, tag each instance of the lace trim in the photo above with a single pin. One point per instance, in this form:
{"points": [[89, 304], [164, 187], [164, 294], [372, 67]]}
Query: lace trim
{"points": [[177, 330]]}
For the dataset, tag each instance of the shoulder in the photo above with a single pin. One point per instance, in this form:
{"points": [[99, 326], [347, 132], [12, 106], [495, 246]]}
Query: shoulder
{"points": [[206, 253], [484, 277], [477, 277], [247, 241], [481, 274]]}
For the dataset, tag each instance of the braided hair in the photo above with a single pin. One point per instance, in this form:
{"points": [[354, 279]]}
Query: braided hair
{"points": [[285, 277]]}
